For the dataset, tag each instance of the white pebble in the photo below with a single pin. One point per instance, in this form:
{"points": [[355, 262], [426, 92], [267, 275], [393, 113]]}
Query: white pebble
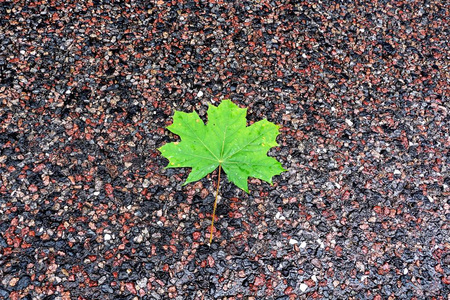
{"points": [[293, 241], [279, 216], [303, 287]]}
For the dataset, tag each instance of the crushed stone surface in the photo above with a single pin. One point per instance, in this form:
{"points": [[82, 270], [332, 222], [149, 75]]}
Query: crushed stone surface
{"points": [[360, 90]]}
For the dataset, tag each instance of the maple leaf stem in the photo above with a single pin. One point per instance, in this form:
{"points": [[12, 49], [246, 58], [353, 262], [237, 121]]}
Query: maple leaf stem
{"points": [[215, 206]]}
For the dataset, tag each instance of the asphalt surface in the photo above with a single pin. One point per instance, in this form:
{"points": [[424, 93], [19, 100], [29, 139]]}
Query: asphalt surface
{"points": [[360, 91]]}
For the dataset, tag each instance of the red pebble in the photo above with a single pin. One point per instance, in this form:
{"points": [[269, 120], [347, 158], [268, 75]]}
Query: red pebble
{"points": [[288, 290], [131, 288]]}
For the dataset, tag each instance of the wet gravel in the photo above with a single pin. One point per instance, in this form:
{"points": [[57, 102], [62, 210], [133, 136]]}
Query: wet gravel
{"points": [[360, 92]]}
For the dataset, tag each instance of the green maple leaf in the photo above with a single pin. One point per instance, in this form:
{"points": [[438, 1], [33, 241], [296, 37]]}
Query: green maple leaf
{"points": [[224, 142]]}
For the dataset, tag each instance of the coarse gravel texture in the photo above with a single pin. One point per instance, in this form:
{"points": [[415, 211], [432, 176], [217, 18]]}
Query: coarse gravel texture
{"points": [[361, 92]]}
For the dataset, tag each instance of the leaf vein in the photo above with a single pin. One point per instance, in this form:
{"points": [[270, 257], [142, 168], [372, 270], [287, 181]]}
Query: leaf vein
{"points": [[243, 147], [201, 141]]}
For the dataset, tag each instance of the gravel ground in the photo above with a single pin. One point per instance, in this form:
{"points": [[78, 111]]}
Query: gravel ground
{"points": [[361, 93]]}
